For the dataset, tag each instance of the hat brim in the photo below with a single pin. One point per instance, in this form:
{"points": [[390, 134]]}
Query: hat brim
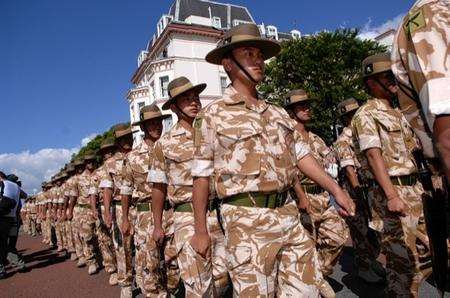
{"points": [[291, 104], [268, 48], [197, 88], [163, 116]]}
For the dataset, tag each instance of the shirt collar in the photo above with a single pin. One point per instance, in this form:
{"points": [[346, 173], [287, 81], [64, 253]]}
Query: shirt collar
{"points": [[143, 147], [382, 104], [232, 97]]}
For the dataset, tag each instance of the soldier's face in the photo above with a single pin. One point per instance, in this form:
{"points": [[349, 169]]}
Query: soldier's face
{"points": [[107, 155], [153, 128], [90, 166], [302, 111], [125, 142], [376, 84], [251, 59], [189, 103]]}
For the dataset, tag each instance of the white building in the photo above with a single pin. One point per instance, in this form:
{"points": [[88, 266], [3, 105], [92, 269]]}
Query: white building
{"points": [[386, 38], [183, 37]]}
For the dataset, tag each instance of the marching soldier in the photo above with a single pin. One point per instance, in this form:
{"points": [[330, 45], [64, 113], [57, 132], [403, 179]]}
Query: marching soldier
{"points": [[136, 188], [32, 216], [365, 240], [111, 183], [250, 148], [330, 230], [384, 143], [103, 234], [420, 59], [171, 175]]}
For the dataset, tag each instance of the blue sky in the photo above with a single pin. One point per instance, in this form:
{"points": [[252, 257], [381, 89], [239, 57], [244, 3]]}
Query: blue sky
{"points": [[65, 66]]}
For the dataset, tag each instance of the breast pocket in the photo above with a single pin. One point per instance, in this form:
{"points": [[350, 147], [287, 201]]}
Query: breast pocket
{"points": [[239, 150], [392, 137], [179, 166]]}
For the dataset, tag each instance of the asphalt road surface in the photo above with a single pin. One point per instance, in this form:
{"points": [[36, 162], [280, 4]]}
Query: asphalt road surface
{"points": [[50, 274]]}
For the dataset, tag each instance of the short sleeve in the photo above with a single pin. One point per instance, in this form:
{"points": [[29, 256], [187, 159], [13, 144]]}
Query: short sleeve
{"points": [[203, 162], [157, 172], [365, 131], [301, 147]]}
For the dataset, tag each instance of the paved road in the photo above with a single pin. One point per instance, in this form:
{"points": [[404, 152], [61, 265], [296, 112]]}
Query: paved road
{"points": [[52, 275]]}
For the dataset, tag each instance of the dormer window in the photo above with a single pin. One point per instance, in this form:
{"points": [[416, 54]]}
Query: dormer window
{"points": [[296, 34], [272, 31], [217, 22]]}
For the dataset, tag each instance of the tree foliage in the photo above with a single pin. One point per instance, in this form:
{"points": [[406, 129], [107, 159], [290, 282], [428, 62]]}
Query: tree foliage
{"points": [[94, 144], [328, 66]]}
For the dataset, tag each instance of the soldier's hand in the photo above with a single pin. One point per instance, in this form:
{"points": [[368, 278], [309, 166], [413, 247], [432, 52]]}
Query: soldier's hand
{"points": [[158, 236], [396, 205], [125, 227], [303, 204], [346, 203], [201, 243]]}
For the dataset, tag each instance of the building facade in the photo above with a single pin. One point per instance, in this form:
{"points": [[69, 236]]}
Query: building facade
{"points": [[183, 37]]}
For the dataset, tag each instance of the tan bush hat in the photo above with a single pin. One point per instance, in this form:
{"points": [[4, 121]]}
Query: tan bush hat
{"points": [[150, 112], [180, 86], [107, 143], [296, 96], [244, 35], [376, 64], [347, 106], [121, 130]]}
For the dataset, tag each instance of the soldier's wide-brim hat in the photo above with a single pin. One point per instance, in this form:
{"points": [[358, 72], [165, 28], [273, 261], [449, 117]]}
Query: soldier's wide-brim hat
{"points": [[347, 106], [149, 113], [122, 130], [180, 86], [107, 144], [295, 97], [70, 168], [78, 162], [244, 35], [376, 64], [89, 157]]}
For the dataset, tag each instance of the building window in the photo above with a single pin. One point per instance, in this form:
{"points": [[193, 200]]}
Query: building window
{"points": [[223, 84], [238, 22], [217, 23], [140, 105], [163, 83]]}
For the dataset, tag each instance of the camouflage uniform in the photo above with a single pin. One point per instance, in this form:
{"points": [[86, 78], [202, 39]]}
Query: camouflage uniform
{"points": [[59, 225], [73, 242], [365, 242], [84, 218], [330, 230], [172, 166], [420, 55], [249, 149], [112, 178], [32, 216], [135, 184], [404, 239], [105, 242]]}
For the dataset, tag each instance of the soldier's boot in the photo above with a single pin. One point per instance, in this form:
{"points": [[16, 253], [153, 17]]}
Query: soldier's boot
{"points": [[92, 269], [81, 262], [113, 279], [126, 292], [325, 290], [73, 256]]}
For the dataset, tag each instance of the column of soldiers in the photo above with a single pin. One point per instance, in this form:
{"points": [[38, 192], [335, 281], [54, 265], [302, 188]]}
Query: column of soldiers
{"points": [[241, 197]]}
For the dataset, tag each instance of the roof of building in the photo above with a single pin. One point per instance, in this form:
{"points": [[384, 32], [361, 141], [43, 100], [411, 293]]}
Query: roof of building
{"points": [[182, 9]]}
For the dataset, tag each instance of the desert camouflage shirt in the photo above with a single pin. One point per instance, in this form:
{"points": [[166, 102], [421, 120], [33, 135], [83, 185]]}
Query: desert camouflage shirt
{"points": [[112, 176], [69, 190], [377, 125], [420, 55], [96, 176], [321, 152], [245, 147], [344, 149], [135, 173], [81, 187], [172, 164]]}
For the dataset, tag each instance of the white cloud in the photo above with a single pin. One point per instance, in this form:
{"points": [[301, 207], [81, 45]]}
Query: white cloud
{"points": [[35, 167], [369, 31]]}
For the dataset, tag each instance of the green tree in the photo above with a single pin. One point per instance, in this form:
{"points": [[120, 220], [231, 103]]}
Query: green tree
{"points": [[94, 144], [328, 66]]}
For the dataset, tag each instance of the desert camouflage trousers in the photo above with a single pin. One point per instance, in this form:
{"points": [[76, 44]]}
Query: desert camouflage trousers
{"points": [[70, 246], [86, 230], [122, 246], [26, 224], [269, 252], [152, 276], [60, 234], [76, 232], [404, 241], [202, 277], [329, 231], [32, 224], [366, 241], [105, 244], [48, 229]]}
